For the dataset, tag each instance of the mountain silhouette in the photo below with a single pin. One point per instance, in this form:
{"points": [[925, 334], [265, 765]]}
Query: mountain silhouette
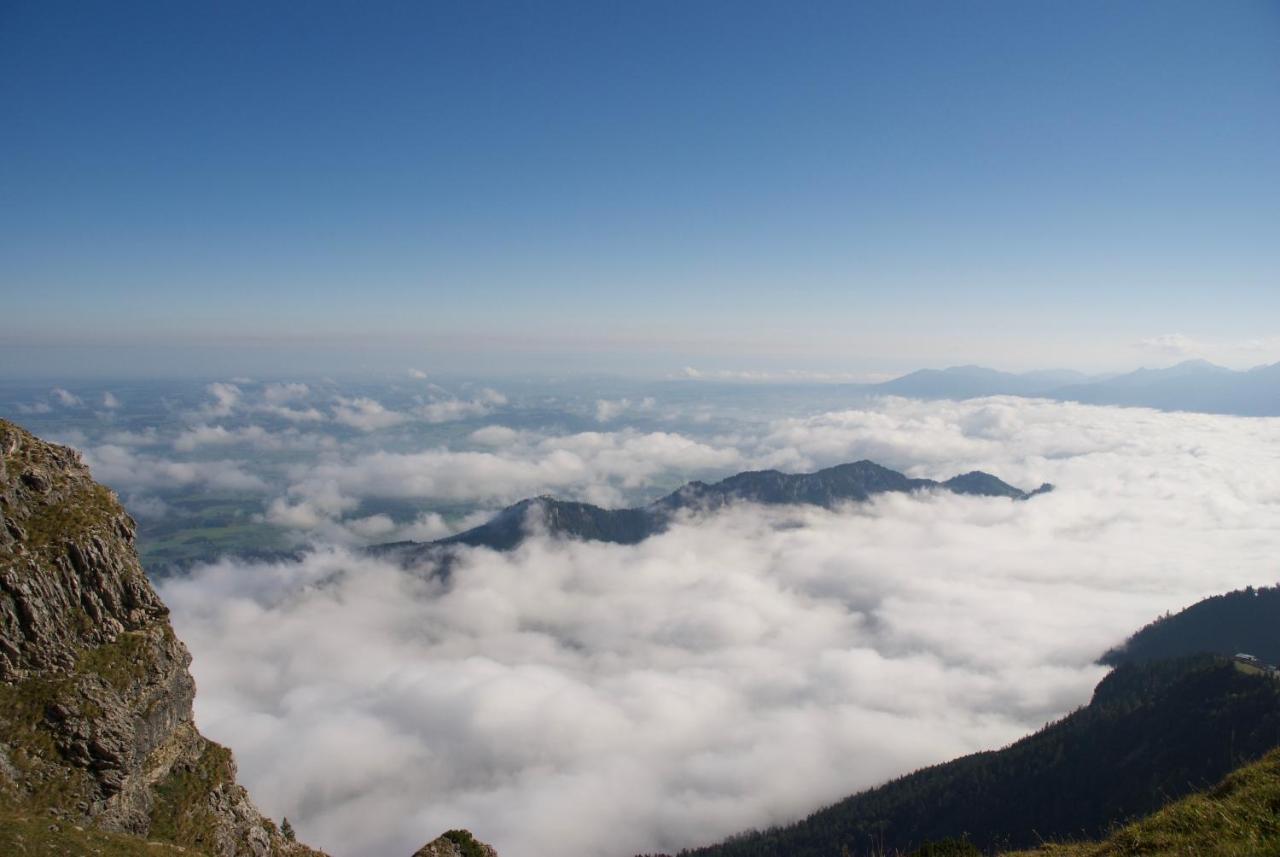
{"points": [[828, 488]]}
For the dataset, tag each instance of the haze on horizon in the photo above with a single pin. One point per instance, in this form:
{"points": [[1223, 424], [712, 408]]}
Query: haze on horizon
{"points": [[849, 188], [301, 281]]}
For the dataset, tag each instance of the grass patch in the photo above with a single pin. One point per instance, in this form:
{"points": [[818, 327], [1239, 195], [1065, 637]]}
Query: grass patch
{"points": [[121, 663], [24, 836], [51, 524], [50, 782], [24, 726], [466, 843], [181, 813], [1240, 817]]}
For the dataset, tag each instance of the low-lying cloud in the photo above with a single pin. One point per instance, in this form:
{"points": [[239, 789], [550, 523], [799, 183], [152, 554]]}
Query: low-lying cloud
{"points": [[127, 470], [736, 671], [596, 466], [366, 414]]}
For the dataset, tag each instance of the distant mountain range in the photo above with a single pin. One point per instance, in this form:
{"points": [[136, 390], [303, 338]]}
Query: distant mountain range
{"points": [[1194, 385], [844, 483]]}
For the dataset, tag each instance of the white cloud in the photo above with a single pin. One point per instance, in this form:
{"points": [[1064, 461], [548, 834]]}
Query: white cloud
{"points": [[494, 436], [608, 410], [1175, 344], [427, 527], [202, 435], [1239, 353], [417, 374], [366, 414], [125, 470], [142, 506], [147, 437], [277, 394], [594, 466], [109, 401], [451, 409], [430, 526], [72, 437], [294, 415], [372, 526], [322, 519], [225, 398], [322, 502], [65, 398], [273, 399], [206, 435], [736, 671]]}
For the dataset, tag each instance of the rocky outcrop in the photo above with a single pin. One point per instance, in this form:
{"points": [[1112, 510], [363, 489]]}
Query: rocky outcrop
{"points": [[98, 748], [456, 843], [96, 725]]}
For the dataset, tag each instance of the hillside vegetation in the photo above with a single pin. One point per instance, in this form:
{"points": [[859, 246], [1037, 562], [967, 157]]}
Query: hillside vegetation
{"points": [[1153, 732], [1247, 620], [1240, 817]]}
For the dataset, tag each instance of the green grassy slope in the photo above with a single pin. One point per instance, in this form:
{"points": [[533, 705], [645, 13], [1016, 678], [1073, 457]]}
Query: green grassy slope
{"points": [[26, 836], [1240, 817]]}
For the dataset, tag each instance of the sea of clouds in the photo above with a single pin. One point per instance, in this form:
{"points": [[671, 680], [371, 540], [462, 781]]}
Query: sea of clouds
{"points": [[737, 671]]}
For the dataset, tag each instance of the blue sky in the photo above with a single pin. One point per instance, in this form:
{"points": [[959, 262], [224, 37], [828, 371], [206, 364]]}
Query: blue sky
{"points": [[639, 186]]}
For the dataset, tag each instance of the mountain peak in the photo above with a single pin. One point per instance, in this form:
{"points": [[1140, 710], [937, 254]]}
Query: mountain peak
{"points": [[852, 482]]}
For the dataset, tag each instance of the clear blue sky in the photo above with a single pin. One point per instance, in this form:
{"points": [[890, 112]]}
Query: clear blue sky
{"points": [[856, 186]]}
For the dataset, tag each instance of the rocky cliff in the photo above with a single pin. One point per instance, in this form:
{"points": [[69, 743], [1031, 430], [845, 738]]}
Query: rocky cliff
{"points": [[96, 730], [99, 753]]}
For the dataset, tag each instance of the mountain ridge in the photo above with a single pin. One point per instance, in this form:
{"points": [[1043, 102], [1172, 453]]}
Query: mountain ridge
{"points": [[856, 481], [1241, 621], [1175, 714], [1153, 732], [1191, 385]]}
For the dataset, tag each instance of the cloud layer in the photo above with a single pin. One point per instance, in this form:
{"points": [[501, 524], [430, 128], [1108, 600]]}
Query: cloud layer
{"points": [[738, 670]]}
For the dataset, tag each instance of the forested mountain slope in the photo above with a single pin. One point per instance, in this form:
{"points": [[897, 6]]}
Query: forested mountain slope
{"points": [[1247, 620], [1239, 817], [1153, 732]]}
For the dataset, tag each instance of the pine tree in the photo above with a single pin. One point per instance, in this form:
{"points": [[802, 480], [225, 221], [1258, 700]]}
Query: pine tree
{"points": [[286, 829]]}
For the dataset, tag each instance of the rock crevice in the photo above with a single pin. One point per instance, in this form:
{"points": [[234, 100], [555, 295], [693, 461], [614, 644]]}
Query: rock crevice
{"points": [[96, 723]]}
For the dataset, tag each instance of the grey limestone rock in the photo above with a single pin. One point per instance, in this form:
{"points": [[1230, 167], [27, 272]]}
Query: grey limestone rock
{"points": [[95, 695]]}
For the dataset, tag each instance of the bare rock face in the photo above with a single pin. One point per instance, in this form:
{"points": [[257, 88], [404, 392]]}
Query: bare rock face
{"points": [[456, 843], [95, 698]]}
